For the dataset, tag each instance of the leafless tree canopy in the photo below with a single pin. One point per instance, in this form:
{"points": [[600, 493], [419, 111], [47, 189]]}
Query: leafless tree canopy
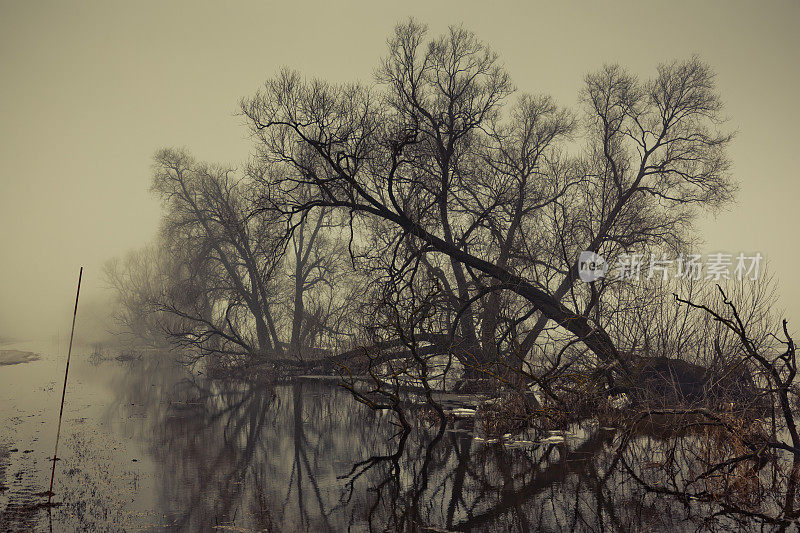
{"points": [[493, 195]]}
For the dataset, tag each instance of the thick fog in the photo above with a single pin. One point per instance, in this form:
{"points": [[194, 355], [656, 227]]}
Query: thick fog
{"points": [[89, 91]]}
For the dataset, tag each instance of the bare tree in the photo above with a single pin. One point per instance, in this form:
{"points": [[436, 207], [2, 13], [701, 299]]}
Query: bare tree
{"points": [[230, 252], [219, 278], [498, 207], [139, 280]]}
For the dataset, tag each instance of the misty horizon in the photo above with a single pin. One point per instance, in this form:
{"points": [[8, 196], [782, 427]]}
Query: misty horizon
{"points": [[88, 101]]}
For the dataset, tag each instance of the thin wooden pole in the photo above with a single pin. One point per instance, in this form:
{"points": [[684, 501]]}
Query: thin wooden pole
{"points": [[64, 390]]}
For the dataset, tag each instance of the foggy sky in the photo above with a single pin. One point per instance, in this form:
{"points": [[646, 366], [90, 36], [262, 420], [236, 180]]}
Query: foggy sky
{"points": [[89, 90]]}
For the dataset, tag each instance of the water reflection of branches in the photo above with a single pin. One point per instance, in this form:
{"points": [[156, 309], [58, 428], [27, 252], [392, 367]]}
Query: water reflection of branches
{"points": [[262, 455]]}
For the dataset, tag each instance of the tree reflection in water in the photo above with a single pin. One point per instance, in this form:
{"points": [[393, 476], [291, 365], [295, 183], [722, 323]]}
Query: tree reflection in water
{"points": [[304, 455]]}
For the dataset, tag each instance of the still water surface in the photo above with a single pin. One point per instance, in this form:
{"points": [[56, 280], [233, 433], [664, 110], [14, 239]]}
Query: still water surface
{"points": [[148, 446]]}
